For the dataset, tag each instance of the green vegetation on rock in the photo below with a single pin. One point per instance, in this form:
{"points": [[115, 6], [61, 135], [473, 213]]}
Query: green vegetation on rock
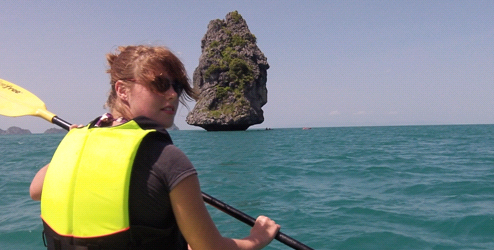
{"points": [[226, 59], [228, 109], [236, 16], [222, 92], [240, 72], [238, 41]]}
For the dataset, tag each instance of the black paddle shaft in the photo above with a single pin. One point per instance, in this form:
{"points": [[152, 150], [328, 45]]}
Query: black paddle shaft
{"points": [[63, 124]]}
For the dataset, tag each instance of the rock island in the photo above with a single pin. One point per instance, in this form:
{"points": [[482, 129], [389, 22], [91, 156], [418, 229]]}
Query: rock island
{"points": [[230, 79]]}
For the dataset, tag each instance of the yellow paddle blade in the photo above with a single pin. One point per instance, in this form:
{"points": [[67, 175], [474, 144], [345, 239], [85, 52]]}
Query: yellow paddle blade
{"points": [[16, 101]]}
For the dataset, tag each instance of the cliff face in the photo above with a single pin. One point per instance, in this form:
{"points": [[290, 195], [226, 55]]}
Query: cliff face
{"points": [[230, 79]]}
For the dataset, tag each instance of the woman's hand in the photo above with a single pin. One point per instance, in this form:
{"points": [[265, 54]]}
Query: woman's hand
{"points": [[75, 126], [263, 231], [198, 228]]}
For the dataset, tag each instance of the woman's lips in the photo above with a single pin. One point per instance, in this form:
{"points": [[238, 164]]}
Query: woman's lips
{"points": [[169, 110]]}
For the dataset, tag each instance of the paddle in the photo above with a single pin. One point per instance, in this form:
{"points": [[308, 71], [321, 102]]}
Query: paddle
{"points": [[16, 101]]}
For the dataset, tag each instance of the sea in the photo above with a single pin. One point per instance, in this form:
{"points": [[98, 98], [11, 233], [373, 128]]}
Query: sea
{"points": [[394, 187]]}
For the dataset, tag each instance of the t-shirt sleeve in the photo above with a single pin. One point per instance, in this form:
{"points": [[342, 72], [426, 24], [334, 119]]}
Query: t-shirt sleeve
{"points": [[174, 166]]}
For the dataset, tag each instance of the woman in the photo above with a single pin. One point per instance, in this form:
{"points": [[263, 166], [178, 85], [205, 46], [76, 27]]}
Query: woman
{"points": [[120, 182]]}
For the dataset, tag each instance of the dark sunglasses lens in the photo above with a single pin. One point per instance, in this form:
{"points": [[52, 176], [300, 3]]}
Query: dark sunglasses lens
{"points": [[162, 84], [178, 87]]}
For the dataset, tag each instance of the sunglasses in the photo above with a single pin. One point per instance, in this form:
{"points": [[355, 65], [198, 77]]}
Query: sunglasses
{"points": [[162, 84]]}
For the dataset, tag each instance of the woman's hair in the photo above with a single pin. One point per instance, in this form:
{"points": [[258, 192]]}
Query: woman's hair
{"points": [[144, 63]]}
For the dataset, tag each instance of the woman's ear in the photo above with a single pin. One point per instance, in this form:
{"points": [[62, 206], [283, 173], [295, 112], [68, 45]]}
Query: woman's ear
{"points": [[122, 90]]}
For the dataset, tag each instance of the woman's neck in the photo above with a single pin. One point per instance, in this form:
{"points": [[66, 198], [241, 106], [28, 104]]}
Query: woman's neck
{"points": [[118, 118], [111, 119]]}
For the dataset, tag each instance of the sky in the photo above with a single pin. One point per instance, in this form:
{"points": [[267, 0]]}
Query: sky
{"points": [[332, 63]]}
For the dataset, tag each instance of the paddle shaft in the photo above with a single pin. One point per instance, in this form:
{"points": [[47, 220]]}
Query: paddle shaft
{"points": [[63, 124]]}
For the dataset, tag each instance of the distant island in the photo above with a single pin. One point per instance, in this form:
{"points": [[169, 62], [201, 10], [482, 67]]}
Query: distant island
{"points": [[19, 131], [55, 131]]}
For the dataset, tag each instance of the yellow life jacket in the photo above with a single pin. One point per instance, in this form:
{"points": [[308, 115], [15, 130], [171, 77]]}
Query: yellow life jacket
{"points": [[86, 187]]}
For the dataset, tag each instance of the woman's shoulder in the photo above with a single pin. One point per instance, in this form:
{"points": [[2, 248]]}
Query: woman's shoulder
{"points": [[164, 152], [165, 160], [174, 154], [174, 165]]}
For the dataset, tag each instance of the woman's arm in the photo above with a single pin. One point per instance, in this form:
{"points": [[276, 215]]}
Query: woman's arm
{"points": [[198, 228], [37, 184]]}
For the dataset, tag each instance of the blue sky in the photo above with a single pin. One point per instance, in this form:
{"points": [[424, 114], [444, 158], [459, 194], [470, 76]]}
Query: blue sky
{"points": [[333, 63]]}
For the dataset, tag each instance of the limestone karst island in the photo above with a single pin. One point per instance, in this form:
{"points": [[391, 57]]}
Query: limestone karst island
{"points": [[230, 79]]}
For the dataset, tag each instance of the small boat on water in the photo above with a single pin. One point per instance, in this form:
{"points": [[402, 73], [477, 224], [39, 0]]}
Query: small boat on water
{"points": [[306, 128]]}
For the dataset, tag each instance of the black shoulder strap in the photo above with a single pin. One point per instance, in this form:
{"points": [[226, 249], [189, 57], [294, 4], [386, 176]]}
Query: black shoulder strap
{"points": [[146, 123]]}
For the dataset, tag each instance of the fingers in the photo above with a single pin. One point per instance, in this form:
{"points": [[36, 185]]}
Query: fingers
{"points": [[263, 220], [268, 223], [76, 126], [264, 230]]}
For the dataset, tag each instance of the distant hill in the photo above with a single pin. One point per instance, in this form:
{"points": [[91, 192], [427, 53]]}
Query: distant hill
{"points": [[19, 131], [55, 131], [15, 131]]}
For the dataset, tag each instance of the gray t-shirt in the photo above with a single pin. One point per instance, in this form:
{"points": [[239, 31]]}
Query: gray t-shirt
{"points": [[158, 167]]}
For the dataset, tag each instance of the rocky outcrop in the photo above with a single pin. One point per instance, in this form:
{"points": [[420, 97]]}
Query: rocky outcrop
{"points": [[230, 79], [15, 131], [55, 131]]}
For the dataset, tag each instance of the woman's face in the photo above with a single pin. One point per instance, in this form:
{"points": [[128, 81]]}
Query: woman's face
{"points": [[158, 106]]}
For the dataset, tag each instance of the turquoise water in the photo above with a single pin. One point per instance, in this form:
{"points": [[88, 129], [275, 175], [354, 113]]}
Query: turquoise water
{"points": [[407, 187]]}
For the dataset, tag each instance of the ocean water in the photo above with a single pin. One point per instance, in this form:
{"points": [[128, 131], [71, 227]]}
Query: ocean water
{"points": [[405, 187]]}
